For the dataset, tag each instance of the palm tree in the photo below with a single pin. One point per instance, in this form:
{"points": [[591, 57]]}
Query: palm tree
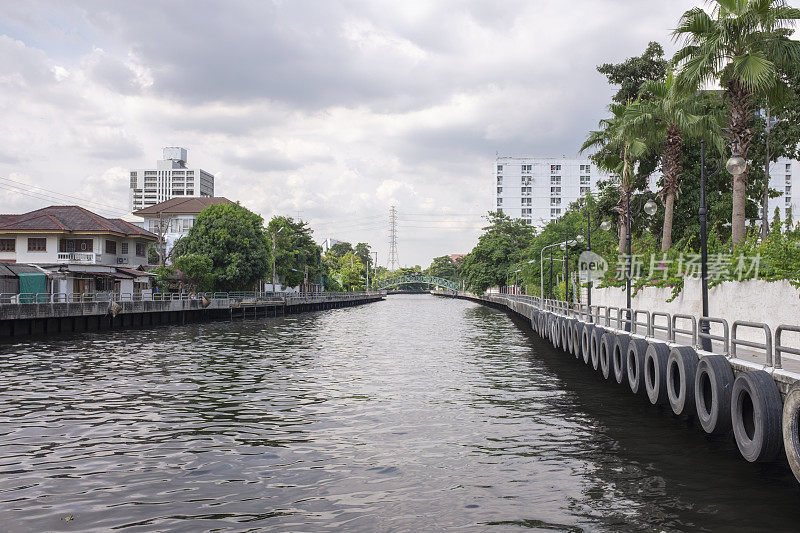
{"points": [[621, 146], [670, 115], [742, 44]]}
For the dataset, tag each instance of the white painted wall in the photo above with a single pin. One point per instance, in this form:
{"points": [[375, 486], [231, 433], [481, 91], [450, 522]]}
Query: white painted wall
{"points": [[771, 302]]}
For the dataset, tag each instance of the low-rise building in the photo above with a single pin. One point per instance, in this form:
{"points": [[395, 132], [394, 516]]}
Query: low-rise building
{"points": [[173, 219], [80, 251]]}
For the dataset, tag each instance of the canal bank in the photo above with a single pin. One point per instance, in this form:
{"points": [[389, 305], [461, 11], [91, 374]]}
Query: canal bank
{"points": [[726, 390], [49, 316]]}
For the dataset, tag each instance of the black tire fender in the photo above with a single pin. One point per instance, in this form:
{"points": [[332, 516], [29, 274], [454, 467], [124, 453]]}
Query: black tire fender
{"points": [[586, 341], [634, 364], [594, 346], [713, 384], [655, 372], [606, 350], [681, 370], [791, 429], [756, 416], [618, 357]]}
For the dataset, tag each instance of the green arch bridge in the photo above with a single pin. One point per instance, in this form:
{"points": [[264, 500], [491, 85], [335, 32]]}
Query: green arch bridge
{"points": [[423, 279]]}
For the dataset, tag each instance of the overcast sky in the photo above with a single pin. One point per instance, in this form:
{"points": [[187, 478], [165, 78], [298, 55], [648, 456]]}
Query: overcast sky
{"points": [[331, 109]]}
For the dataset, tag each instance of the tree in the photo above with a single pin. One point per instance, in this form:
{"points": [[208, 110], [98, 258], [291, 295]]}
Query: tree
{"points": [[670, 115], [351, 271], [623, 145], [339, 249], [443, 267], [500, 247], [295, 250], [742, 45], [233, 238], [632, 73], [197, 269]]}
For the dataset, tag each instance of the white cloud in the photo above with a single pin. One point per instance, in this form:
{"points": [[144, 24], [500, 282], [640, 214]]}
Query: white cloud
{"points": [[335, 110]]}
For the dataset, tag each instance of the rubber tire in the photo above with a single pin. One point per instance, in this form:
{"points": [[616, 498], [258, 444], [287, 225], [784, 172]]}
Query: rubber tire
{"points": [[681, 370], [586, 340], [634, 364], [606, 350], [618, 357], [713, 384], [791, 429], [577, 334], [594, 346], [555, 335], [566, 336], [535, 321], [766, 405], [655, 376]]}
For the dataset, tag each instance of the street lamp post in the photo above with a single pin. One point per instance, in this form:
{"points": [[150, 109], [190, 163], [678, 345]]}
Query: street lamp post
{"points": [[274, 277], [736, 165], [605, 225], [515, 279]]}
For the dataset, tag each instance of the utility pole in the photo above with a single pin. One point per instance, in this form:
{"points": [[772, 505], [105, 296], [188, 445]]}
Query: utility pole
{"points": [[393, 261]]}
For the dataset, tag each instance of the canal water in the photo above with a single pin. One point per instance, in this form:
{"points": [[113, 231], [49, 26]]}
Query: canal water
{"points": [[412, 414]]}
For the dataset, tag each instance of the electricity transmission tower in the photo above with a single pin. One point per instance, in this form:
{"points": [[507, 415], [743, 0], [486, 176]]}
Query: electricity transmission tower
{"points": [[393, 261]]}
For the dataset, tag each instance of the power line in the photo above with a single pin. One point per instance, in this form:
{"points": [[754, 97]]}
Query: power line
{"points": [[31, 188], [40, 196]]}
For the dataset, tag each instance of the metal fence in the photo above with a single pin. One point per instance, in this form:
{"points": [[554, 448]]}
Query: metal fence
{"points": [[678, 328], [108, 297]]}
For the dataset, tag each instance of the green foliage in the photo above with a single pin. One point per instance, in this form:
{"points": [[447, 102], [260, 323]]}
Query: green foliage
{"points": [[197, 269], [295, 251], [165, 278], [499, 248], [234, 240], [635, 71], [443, 267]]}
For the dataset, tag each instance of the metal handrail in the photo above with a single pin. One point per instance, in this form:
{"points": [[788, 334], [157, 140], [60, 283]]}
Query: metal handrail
{"points": [[766, 345], [635, 322], [676, 329], [780, 349], [654, 327], [725, 338]]}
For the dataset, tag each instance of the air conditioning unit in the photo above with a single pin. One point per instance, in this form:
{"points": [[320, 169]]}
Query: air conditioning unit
{"points": [[122, 260]]}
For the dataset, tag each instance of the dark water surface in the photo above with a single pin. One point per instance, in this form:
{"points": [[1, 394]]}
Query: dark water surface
{"points": [[412, 414]]}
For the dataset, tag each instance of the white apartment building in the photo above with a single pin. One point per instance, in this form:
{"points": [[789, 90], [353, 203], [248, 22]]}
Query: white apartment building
{"points": [[784, 177], [170, 179], [540, 189]]}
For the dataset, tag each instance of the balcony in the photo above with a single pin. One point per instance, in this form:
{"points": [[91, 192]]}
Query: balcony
{"points": [[86, 258]]}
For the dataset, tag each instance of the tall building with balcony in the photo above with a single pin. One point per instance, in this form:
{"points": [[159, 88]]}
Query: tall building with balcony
{"points": [[171, 178], [540, 189], [784, 177]]}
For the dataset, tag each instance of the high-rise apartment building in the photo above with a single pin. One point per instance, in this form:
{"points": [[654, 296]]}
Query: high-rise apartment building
{"points": [[540, 189], [170, 179], [784, 177]]}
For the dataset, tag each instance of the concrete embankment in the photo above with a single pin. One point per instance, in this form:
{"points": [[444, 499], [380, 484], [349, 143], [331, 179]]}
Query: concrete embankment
{"points": [[26, 319], [657, 355]]}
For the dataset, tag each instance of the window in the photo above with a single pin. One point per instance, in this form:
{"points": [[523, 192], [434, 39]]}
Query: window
{"points": [[8, 245], [499, 168], [788, 189], [584, 190], [555, 169], [555, 201], [555, 180], [788, 168], [124, 248], [141, 249], [499, 201], [554, 212], [527, 201], [37, 245], [526, 180], [586, 180], [527, 212], [133, 180], [527, 221], [526, 191], [75, 245], [189, 192], [555, 190], [586, 168], [788, 200], [111, 247], [527, 169], [499, 180], [499, 190], [500, 210]]}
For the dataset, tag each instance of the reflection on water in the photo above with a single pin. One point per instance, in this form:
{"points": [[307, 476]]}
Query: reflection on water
{"points": [[416, 413]]}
